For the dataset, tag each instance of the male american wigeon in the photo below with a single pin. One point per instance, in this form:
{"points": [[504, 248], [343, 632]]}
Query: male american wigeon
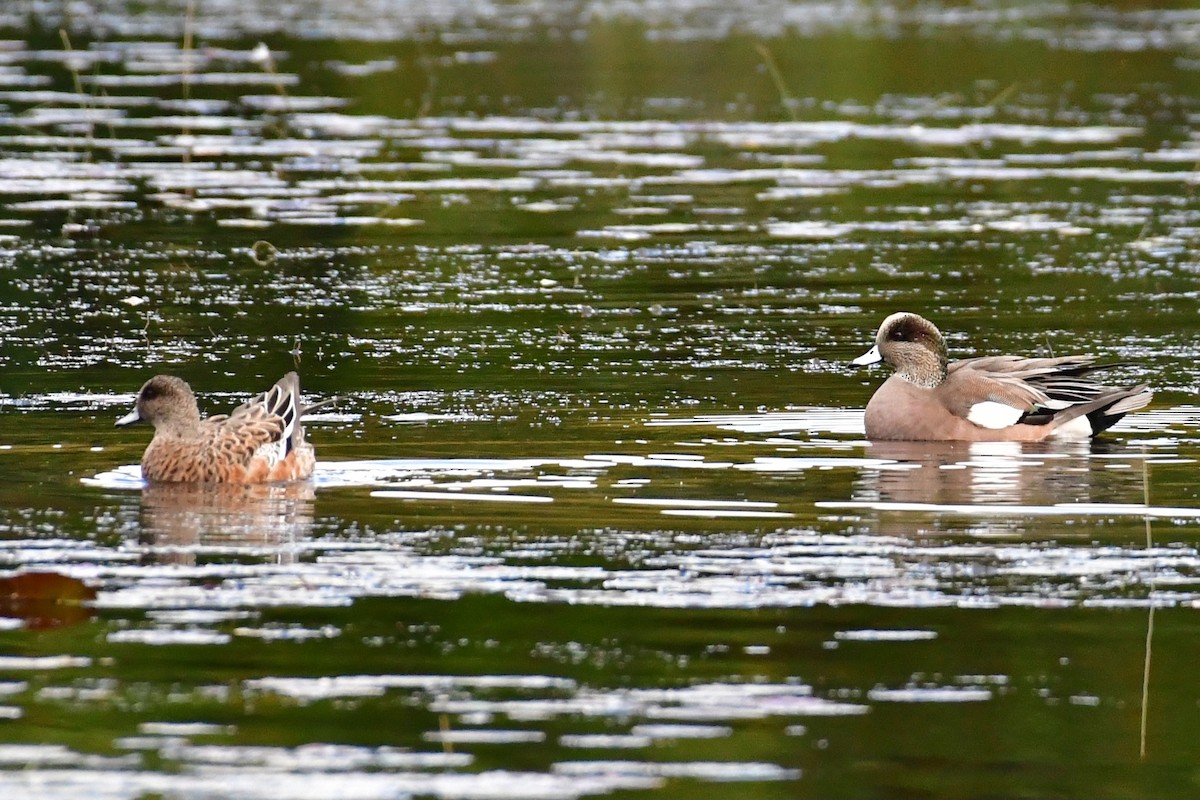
{"points": [[993, 398], [261, 440]]}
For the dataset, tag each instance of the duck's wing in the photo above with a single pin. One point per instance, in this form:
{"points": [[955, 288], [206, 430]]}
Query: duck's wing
{"points": [[281, 402], [1038, 391], [1026, 368], [988, 398], [249, 432]]}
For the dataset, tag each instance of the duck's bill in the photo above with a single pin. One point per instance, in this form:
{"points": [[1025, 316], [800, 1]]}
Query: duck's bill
{"points": [[129, 419], [872, 356]]}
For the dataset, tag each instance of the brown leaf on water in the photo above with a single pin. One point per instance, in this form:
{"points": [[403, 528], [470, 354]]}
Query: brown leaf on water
{"points": [[45, 599]]}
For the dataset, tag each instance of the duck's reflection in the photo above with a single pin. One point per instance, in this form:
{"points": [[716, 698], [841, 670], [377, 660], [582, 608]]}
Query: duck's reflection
{"points": [[181, 521], [955, 473]]}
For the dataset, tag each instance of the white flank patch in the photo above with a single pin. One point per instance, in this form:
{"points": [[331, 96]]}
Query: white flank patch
{"points": [[993, 415], [1078, 428]]}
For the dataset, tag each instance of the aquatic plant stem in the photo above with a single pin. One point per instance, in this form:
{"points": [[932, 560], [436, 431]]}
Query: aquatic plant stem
{"points": [[65, 38], [444, 728], [1150, 617], [785, 96], [1002, 95], [261, 55], [427, 65], [185, 79]]}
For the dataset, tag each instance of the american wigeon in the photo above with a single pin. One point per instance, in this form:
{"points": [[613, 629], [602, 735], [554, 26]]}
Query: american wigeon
{"points": [[993, 398], [261, 440]]}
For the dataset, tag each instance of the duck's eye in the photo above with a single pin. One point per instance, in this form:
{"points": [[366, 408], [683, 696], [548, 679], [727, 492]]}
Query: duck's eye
{"points": [[150, 392], [906, 331]]}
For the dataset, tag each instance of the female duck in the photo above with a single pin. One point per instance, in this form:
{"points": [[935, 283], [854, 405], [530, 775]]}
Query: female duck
{"points": [[261, 440]]}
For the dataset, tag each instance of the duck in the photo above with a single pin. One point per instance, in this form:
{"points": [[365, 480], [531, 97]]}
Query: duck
{"points": [[988, 398], [260, 441]]}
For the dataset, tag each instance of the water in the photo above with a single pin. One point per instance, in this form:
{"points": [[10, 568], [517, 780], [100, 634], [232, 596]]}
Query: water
{"points": [[594, 514]]}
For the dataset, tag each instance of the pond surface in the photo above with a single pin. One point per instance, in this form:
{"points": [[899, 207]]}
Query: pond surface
{"points": [[594, 514]]}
